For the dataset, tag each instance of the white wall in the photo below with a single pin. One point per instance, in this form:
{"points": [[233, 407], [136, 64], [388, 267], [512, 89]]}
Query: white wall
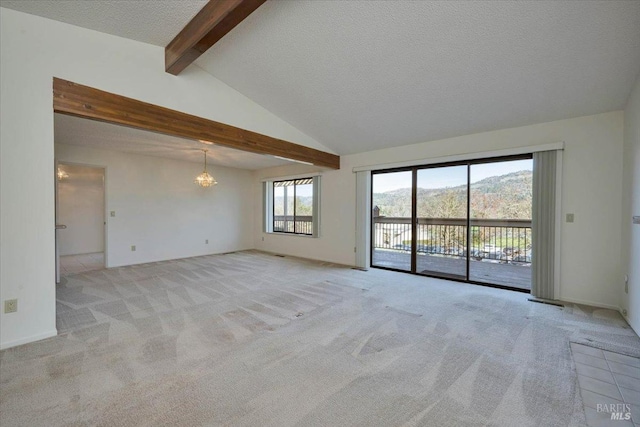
{"points": [[631, 207], [81, 208], [33, 50], [162, 212], [590, 255]]}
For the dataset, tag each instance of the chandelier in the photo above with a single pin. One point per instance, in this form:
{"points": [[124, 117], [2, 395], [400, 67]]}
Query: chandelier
{"points": [[61, 174], [204, 179]]}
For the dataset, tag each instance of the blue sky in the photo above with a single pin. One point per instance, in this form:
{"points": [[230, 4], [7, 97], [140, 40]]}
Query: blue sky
{"points": [[447, 177], [305, 190]]}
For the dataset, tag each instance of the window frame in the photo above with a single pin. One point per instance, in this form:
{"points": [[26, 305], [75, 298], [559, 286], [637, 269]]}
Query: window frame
{"points": [[269, 205]]}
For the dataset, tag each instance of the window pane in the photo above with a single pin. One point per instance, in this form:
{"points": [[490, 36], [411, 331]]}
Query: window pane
{"points": [[293, 206], [278, 208], [391, 219], [288, 208], [441, 198], [501, 223], [304, 207]]}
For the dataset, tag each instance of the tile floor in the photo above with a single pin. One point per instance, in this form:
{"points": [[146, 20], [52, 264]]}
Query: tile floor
{"points": [[609, 382], [74, 264]]}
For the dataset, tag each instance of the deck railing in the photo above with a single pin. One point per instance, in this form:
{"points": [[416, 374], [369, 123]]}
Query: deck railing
{"points": [[492, 239], [301, 224]]}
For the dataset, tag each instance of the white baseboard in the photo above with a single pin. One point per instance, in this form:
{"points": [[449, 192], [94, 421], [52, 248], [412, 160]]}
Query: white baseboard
{"points": [[591, 303], [153, 260], [306, 257], [629, 323], [27, 340]]}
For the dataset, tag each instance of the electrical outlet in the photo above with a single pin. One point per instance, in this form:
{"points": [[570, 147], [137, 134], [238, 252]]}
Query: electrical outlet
{"points": [[133, 248], [570, 217], [206, 242], [11, 306]]}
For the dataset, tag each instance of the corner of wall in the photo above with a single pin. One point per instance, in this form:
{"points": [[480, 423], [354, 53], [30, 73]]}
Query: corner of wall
{"points": [[630, 232]]}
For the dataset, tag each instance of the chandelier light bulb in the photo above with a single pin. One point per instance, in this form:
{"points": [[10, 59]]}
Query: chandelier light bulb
{"points": [[61, 174]]}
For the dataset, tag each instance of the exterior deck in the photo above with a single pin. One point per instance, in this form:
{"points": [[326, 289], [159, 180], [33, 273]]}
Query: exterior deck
{"points": [[515, 275], [500, 249]]}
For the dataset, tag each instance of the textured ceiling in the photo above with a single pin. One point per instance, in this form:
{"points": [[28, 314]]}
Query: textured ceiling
{"points": [[150, 21], [358, 76], [76, 131], [361, 75]]}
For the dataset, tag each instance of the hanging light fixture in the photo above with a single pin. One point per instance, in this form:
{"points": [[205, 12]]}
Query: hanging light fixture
{"points": [[204, 179], [61, 174]]}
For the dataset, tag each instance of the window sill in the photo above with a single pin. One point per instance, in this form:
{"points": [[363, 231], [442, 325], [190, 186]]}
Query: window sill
{"points": [[279, 233]]}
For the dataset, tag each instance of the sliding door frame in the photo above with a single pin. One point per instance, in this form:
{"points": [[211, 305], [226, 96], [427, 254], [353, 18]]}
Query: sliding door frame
{"points": [[414, 216]]}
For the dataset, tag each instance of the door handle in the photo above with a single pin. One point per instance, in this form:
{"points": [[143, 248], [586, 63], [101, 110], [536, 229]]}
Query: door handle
{"points": [[60, 226]]}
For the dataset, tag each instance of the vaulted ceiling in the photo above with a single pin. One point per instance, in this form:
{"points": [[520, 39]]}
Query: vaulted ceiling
{"points": [[154, 22], [358, 76], [362, 75]]}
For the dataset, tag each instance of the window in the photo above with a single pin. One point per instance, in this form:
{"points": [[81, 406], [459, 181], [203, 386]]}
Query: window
{"points": [[468, 220], [292, 206]]}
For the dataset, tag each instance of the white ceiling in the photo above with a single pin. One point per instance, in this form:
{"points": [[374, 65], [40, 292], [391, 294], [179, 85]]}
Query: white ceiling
{"points": [[357, 75], [150, 21], [361, 75], [88, 133]]}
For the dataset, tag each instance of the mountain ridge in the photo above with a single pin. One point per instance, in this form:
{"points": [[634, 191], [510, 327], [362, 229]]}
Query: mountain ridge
{"points": [[505, 196]]}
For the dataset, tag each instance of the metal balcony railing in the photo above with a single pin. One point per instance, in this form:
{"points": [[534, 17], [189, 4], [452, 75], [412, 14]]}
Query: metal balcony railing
{"points": [[300, 224], [491, 239]]}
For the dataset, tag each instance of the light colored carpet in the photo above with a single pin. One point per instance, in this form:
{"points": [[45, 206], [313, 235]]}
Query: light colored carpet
{"points": [[251, 339]]}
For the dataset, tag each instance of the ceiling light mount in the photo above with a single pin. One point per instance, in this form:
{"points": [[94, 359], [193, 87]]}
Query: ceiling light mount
{"points": [[204, 179]]}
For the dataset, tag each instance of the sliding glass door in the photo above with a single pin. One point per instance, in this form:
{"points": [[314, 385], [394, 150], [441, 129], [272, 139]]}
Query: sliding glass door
{"points": [[391, 220], [441, 210], [468, 221], [501, 196]]}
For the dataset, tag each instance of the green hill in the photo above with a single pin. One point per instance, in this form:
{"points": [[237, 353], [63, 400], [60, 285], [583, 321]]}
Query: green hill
{"points": [[505, 196]]}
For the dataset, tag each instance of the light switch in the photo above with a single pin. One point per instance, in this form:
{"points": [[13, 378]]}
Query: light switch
{"points": [[569, 217], [636, 220], [113, 213]]}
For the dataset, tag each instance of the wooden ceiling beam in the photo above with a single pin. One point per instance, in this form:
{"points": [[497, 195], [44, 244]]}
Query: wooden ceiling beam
{"points": [[216, 19], [83, 101]]}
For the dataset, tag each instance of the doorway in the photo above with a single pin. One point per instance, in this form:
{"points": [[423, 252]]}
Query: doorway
{"points": [[468, 221], [80, 218]]}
